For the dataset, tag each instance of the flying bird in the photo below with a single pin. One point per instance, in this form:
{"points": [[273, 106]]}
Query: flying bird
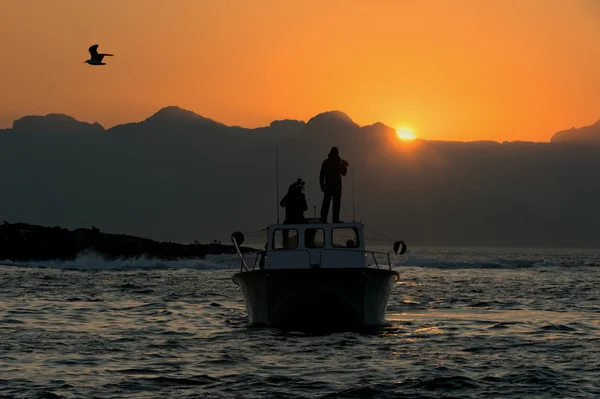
{"points": [[95, 57]]}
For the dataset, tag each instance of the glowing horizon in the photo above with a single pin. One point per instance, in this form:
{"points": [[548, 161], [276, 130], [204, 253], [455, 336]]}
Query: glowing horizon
{"points": [[461, 70], [405, 133]]}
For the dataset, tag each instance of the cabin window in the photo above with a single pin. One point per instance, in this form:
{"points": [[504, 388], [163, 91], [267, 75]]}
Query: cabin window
{"points": [[345, 237], [314, 238], [285, 239]]}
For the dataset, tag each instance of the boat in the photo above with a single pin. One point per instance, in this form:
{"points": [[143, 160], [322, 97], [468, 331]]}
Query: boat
{"points": [[316, 276]]}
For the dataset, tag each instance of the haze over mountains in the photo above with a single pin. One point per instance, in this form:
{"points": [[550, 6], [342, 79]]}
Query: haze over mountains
{"points": [[179, 176]]}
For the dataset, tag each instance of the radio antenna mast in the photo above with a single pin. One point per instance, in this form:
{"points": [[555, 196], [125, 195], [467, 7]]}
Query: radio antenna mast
{"points": [[353, 190], [277, 178]]}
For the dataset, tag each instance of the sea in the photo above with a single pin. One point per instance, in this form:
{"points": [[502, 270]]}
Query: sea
{"points": [[461, 323]]}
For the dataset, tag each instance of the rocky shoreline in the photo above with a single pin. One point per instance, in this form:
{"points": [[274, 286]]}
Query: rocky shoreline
{"points": [[27, 242]]}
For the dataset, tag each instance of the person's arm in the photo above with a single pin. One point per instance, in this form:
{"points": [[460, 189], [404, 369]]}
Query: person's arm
{"points": [[343, 168], [283, 201]]}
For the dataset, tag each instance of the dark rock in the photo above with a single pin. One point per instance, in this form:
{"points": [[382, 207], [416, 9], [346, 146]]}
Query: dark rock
{"points": [[26, 242]]}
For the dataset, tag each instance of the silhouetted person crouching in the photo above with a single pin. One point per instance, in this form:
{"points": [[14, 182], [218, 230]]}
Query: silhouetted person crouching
{"points": [[295, 205], [332, 170]]}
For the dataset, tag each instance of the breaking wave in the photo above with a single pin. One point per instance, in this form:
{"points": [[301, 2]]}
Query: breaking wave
{"points": [[442, 258], [93, 261]]}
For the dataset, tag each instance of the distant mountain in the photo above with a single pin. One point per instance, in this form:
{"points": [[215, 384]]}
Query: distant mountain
{"points": [[171, 119], [54, 123], [178, 176], [586, 134], [281, 130], [175, 115], [333, 123], [332, 118]]}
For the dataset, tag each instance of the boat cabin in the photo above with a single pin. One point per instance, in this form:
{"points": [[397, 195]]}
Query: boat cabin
{"points": [[315, 245]]}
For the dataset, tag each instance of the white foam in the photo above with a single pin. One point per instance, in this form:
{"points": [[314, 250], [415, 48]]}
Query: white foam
{"points": [[93, 261], [421, 257]]}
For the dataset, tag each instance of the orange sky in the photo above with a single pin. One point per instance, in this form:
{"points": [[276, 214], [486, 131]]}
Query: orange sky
{"points": [[450, 69]]}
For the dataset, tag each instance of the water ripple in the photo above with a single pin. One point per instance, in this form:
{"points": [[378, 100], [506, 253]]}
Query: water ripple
{"points": [[450, 332]]}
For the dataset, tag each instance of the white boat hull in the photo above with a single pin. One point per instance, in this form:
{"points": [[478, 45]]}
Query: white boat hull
{"points": [[317, 298]]}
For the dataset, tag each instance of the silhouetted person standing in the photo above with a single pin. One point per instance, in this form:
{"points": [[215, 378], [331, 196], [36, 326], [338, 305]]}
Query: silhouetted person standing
{"points": [[332, 170]]}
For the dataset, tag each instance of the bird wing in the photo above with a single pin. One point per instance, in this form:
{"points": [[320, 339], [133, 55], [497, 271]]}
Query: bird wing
{"points": [[94, 51]]}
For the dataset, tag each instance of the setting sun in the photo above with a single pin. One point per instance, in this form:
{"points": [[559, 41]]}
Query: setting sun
{"points": [[406, 133]]}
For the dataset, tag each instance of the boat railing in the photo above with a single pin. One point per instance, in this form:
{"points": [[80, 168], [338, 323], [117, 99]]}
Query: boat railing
{"points": [[260, 256], [257, 259]]}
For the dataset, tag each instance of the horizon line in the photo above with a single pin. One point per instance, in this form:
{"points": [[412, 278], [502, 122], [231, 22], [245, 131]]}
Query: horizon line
{"points": [[280, 120]]}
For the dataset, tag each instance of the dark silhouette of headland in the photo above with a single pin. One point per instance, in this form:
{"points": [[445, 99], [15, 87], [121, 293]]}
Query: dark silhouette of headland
{"points": [[27, 242]]}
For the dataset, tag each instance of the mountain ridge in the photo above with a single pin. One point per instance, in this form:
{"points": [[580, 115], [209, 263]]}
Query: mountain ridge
{"points": [[175, 116], [200, 180]]}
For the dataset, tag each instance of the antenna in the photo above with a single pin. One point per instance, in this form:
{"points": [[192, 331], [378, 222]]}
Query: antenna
{"points": [[277, 178], [353, 190]]}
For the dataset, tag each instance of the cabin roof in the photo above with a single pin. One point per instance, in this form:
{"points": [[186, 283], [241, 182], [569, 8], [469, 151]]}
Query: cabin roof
{"points": [[313, 225]]}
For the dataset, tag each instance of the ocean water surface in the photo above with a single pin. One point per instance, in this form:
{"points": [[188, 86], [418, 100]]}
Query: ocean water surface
{"points": [[461, 323]]}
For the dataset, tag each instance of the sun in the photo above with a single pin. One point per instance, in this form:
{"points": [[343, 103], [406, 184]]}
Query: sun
{"points": [[405, 133]]}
